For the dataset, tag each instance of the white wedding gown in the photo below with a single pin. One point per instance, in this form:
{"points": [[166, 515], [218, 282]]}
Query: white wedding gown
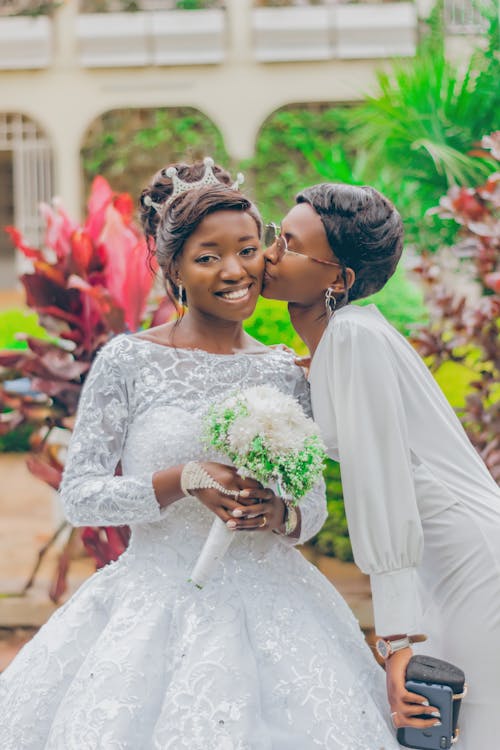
{"points": [[266, 657], [422, 509]]}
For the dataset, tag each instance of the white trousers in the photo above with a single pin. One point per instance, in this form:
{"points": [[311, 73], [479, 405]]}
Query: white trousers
{"points": [[460, 579]]}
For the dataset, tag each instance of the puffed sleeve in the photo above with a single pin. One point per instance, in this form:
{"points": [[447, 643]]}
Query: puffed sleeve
{"points": [[376, 469], [90, 492], [313, 508]]}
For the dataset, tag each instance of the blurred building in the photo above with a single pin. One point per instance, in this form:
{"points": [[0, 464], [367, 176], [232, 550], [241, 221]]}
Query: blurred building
{"points": [[63, 64]]}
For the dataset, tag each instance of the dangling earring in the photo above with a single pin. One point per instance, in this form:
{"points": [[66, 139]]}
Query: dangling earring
{"points": [[330, 301], [180, 291]]}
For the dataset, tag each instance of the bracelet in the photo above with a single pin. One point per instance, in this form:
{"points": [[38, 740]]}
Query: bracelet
{"points": [[194, 477], [291, 518]]}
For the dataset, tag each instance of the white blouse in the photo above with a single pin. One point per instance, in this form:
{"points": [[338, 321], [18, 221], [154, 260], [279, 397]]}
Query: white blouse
{"points": [[403, 454]]}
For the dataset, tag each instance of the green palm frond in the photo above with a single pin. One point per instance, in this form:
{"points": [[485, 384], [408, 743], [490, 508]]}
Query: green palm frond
{"points": [[428, 113]]}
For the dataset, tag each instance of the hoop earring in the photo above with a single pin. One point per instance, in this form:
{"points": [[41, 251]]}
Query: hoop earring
{"points": [[330, 302]]}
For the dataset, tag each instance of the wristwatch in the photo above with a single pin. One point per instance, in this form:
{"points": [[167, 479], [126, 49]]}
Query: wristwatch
{"points": [[385, 649]]}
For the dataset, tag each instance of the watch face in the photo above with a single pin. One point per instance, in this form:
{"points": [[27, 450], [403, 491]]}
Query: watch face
{"points": [[383, 648]]}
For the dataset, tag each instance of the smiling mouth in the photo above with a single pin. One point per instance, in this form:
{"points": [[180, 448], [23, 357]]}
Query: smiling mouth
{"points": [[234, 294]]}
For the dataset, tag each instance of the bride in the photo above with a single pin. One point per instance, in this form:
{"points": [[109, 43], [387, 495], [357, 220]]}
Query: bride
{"points": [[267, 656]]}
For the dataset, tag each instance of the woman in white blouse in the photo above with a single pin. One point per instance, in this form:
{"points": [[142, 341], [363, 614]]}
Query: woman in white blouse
{"points": [[422, 509]]}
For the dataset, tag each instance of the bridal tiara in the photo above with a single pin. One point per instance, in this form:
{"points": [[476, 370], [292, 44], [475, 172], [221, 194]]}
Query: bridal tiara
{"points": [[181, 186]]}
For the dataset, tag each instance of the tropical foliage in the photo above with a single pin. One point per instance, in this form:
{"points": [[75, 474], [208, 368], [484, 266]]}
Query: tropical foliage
{"points": [[129, 146], [88, 282], [418, 130], [465, 319]]}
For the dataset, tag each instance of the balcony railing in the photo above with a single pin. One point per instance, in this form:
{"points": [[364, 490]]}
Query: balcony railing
{"points": [[171, 37], [463, 17], [25, 43], [131, 6], [327, 31]]}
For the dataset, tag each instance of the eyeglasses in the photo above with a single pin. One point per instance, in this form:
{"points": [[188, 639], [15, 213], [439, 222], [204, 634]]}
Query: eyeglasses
{"points": [[273, 236]]}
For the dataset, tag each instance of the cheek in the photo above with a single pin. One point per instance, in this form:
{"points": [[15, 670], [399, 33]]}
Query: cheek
{"points": [[258, 264], [199, 282], [286, 273]]}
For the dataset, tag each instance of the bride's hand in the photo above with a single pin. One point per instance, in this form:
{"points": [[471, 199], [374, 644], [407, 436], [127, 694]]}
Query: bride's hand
{"points": [[256, 508], [226, 507], [405, 706], [263, 511]]}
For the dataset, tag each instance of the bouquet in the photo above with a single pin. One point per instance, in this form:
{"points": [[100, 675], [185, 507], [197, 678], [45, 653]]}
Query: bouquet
{"points": [[267, 435]]}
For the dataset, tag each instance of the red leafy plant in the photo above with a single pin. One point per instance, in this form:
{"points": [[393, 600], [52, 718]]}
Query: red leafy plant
{"points": [[465, 322], [88, 282]]}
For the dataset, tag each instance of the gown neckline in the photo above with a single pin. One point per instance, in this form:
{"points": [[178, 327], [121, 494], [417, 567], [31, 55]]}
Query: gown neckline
{"points": [[196, 350]]}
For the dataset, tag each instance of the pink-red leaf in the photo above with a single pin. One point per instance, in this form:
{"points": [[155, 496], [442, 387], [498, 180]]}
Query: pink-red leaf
{"points": [[18, 242], [101, 196], [82, 251], [58, 229], [492, 281], [125, 206], [127, 276]]}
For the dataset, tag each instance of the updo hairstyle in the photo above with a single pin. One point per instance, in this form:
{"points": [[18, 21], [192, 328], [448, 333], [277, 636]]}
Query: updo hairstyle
{"points": [[364, 231], [160, 190]]}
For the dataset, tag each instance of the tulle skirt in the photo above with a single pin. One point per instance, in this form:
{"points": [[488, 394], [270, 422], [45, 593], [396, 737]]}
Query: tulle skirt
{"points": [[266, 657]]}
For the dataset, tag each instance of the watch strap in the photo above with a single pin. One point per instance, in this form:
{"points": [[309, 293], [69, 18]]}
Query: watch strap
{"points": [[399, 643], [385, 647]]}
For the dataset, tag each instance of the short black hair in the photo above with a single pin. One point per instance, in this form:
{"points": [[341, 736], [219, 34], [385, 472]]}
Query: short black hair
{"points": [[364, 231]]}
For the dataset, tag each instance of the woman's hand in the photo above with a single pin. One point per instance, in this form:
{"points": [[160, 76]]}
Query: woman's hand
{"points": [[304, 362], [405, 705], [256, 508], [263, 510]]}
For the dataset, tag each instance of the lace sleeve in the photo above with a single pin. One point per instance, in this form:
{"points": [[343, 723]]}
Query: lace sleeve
{"points": [[313, 508], [313, 514], [90, 492]]}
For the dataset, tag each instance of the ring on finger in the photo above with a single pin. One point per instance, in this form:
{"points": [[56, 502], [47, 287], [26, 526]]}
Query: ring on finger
{"points": [[393, 714], [264, 522]]}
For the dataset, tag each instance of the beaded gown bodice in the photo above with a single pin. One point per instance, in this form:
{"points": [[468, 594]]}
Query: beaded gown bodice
{"points": [[143, 405]]}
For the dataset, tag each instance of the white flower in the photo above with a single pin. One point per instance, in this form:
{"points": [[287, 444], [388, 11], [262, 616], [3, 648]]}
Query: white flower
{"points": [[242, 431], [267, 435], [275, 417]]}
